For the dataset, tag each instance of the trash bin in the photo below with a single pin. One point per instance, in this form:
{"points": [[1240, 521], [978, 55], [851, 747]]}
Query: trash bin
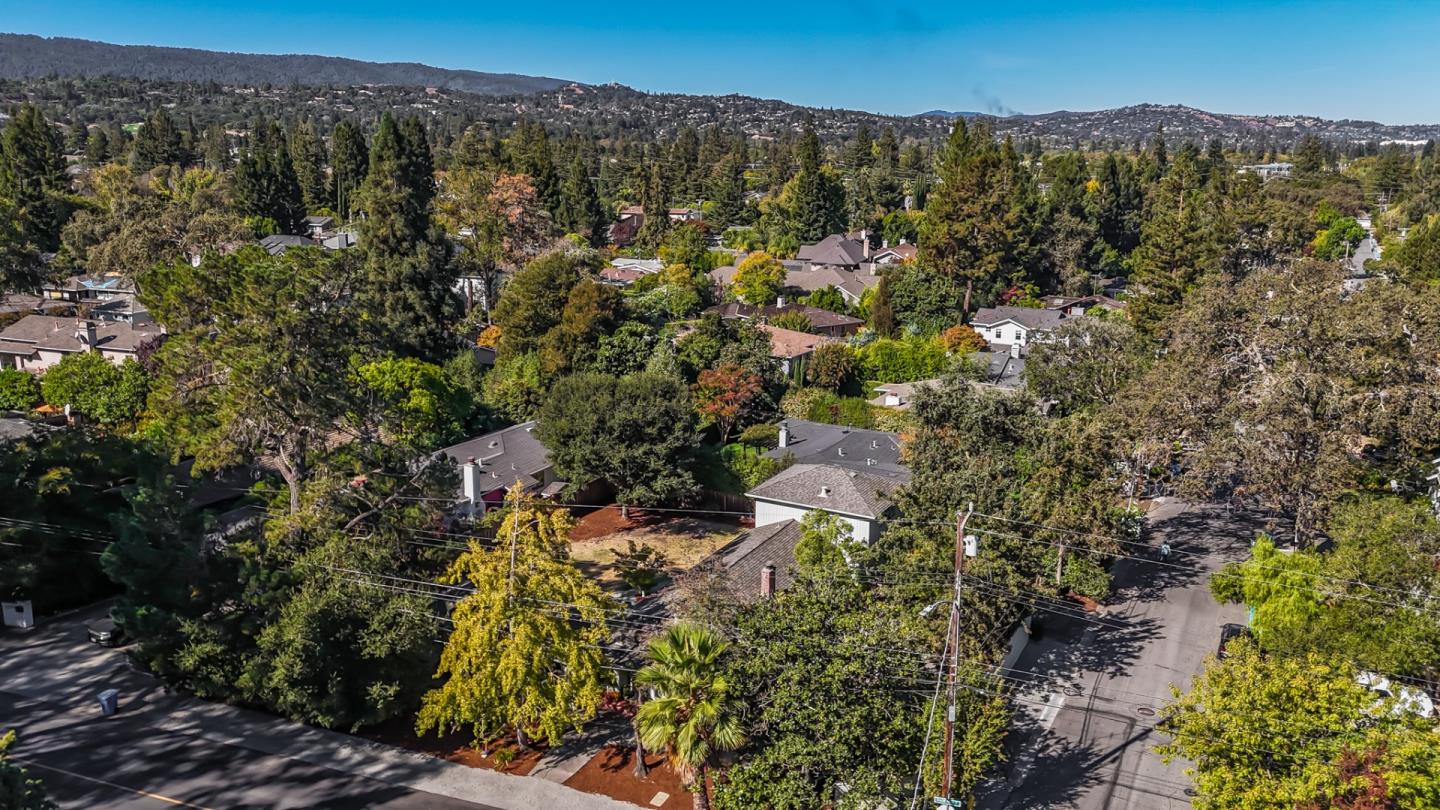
{"points": [[109, 702]]}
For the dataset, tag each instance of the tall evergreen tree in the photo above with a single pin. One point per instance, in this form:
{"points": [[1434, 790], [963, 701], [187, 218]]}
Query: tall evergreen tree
{"points": [[580, 210], [418, 160], [349, 163], [409, 279], [726, 191], [1178, 246], [979, 221], [816, 198], [157, 143], [655, 199], [265, 182], [307, 153], [32, 176], [215, 148]]}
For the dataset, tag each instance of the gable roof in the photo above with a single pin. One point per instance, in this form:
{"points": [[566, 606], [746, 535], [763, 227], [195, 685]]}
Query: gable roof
{"points": [[903, 251], [58, 334], [504, 456], [834, 249], [1024, 316], [831, 488]]}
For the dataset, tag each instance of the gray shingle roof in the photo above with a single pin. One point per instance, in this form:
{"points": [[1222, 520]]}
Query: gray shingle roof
{"points": [[818, 318], [505, 456], [1025, 316], [830, 487], [871, 451], [55, 333], [834, 249], [277, 244]]}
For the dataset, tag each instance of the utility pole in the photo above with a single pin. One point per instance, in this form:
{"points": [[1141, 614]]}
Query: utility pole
{"points": [[964, 547]]}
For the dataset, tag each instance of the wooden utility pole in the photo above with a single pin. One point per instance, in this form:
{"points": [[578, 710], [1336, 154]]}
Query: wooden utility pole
{"points": [[954, 644]]}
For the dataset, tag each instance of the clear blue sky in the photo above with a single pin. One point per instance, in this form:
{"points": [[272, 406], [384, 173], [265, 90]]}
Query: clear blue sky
{"points": [[1374, 60]]}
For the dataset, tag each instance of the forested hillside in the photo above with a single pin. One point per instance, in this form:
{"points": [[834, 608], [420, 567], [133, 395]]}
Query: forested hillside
{"points": [[28, 56]]}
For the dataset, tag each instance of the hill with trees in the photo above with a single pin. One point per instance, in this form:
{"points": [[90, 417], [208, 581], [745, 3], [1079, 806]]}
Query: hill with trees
{"points": [[29, 56]]}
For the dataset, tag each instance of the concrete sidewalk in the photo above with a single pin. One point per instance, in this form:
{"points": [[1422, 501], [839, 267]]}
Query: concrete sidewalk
{"points": [[55, 663]]}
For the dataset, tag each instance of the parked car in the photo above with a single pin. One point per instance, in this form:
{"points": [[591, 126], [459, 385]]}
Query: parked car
{"points": [[105, 633], [1408, 699], [1229, 633]]}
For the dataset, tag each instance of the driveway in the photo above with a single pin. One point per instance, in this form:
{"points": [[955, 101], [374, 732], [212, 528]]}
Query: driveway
{"points": [[166, 750], [1086, 738]]}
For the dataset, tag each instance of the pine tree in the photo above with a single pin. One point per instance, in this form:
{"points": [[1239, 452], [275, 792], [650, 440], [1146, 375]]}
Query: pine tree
{"points": [[580, 210], [265, 183], [726, 191], [816, 200], [157, 143], [655, 199], [1178, 245], [216, 148], [683, 169], [409, 278], [32, 176], [307, 153], [349, 162], [862, 151], [979, 222], [419, 162]]}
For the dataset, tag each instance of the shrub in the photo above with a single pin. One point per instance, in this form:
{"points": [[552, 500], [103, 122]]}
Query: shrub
{"points": [[962, 340], [763, 436], [792, 320], [906, 359], [19, 390], [639, 566], [832, 367], [107, 393]]}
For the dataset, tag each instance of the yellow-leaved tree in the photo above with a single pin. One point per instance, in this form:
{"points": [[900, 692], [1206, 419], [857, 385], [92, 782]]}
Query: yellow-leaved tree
{"points": [[525, 650]]}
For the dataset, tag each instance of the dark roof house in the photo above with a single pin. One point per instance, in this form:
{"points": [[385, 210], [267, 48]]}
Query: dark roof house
{"points": [[835, 250], [831, 488]]}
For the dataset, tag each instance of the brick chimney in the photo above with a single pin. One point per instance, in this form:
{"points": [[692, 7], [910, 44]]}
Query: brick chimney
{"points": [[767, 581]]}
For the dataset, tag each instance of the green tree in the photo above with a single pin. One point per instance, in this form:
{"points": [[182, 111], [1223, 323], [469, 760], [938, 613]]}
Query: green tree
{"points": [[255, 364], [19, 390], [265, 181], [591, 312], [32, 177], [726, 190], [1179, 245], [17, 789], [158, 142], [407, 287], [349, 163], [979, 223], [1275, 731], [414, 402], [693, 716], [831, 367], [307, 155], [580, 211], [1091, 365], [499, 666], [514, 389], [759, 278], [826, 545], [109, 394], [814, 198], [534, 301], [637, 433]]}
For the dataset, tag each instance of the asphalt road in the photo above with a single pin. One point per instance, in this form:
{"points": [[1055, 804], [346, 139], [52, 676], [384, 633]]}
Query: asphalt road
{"points": [[1087, 738], [121, 763]]}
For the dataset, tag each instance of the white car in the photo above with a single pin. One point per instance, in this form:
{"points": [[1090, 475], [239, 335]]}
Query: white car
{"points": [[1407, 698]]}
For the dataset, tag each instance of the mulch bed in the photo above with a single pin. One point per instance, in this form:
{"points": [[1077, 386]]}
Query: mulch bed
{"points": [[612, 773], [607, 521], [455, 747]]}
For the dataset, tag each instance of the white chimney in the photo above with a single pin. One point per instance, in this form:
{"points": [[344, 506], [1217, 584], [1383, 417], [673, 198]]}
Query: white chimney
{"points": [[1015, 350], [779, 301], [470, 480], [865, 241], [824, 492], [784, 435], [85, 333], [767, 581]]}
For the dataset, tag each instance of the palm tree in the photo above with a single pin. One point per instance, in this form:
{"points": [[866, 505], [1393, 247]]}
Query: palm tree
{"points": [[692, 715]]}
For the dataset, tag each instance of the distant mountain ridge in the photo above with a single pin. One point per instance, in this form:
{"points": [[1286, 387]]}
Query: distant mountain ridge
{"points": [[25, 56], [502, 96]]}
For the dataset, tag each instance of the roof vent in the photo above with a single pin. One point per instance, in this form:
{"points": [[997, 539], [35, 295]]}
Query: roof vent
{"points": [[869, 462], [494, 442], [874, 444], [824, 492], [840, 451]]}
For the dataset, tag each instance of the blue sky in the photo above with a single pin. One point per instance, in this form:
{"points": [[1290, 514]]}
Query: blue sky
{"points": [[1375, 60]]}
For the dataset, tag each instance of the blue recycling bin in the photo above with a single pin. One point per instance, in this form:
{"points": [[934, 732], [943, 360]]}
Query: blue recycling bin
{"points": [[109, 702]]}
